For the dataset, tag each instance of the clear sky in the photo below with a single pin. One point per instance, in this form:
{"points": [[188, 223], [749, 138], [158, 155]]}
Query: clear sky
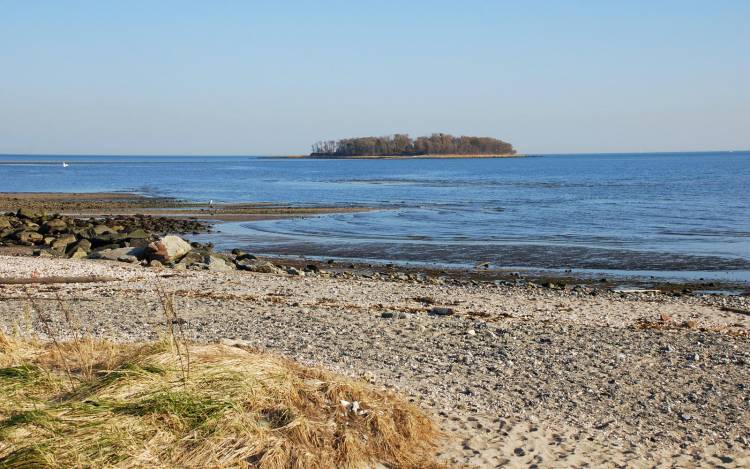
{"points": [[251, 77]]}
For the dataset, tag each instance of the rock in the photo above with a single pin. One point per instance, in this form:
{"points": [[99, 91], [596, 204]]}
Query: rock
{"points": [[471, 332], [312, 268], [169, 248], [129, 259], [5, 223], [439, 311], [29, 237], [295, 272], [61, 243], [189, 259], [82, 245], [56, 225], [218, 264], [245, 257], [155, 264], [77, 253], [106, 239], [101, 230], [261, 267], [387, 314], [136, 234], [116, 254], [29, 214]]}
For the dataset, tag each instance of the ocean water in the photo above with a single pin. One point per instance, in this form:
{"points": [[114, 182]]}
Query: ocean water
{"points": [[678, 215]]}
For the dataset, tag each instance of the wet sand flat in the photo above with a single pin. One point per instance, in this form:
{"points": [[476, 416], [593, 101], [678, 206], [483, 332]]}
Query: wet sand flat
{"points": [[107, 203]]}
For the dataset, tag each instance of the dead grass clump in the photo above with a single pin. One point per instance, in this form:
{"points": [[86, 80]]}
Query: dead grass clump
{"points": [[133, 407]]}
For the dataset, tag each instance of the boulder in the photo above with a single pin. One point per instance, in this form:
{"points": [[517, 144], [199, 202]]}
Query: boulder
{"points": [[105, 239], [189, 259], [77, 253], [116, 254], [136, 234], [168, 249], [55, 225], [102, 229], [82, 245], [29, 214], [29, 237], [61, 243], [5, 223]]}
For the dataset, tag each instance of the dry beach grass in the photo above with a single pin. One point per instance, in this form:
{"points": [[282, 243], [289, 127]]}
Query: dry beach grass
{"points": [[92, 403]]}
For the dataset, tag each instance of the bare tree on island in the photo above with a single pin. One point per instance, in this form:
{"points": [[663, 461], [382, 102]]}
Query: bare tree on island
{"points": [[403, 145]]}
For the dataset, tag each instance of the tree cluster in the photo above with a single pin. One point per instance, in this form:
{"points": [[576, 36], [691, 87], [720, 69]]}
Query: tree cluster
{"points": [[403, 145]]}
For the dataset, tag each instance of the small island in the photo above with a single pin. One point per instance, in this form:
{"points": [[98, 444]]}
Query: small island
{"points": [[437, 145]]}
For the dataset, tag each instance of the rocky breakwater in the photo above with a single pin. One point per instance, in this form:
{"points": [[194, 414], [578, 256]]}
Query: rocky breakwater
{"points": [[77, 238], [145, 240]]}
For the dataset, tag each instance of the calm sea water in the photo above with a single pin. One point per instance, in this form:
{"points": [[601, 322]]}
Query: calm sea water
{"points": [[681, 215]]}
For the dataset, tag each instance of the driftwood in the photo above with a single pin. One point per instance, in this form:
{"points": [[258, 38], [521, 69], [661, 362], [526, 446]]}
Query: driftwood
{"points": [[736, 310], [50, 280]]}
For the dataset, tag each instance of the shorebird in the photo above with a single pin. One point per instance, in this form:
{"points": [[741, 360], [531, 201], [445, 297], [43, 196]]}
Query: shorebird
{"points": [[65, 165]]}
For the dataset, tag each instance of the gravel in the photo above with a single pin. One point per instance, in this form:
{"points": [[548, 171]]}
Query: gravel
{"points": [[513, 374]]}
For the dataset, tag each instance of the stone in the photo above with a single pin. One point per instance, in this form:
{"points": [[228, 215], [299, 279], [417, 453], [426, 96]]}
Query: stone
{"points": [[115, 254], [262, 267], [295, 272], [106, 239], [169, 248], [189, 259], [29, 214], [77, 254], [29, 237], [127, 258], [5, 223], [440, 311], [387, 314], [155, 264], [56, 225], [245, 257], [101, 230], [218, 264], [136, 234], [82, 245], [61, 243]]}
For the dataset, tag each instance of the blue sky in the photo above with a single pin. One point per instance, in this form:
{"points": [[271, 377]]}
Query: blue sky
{"points": [[245, 77]]}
